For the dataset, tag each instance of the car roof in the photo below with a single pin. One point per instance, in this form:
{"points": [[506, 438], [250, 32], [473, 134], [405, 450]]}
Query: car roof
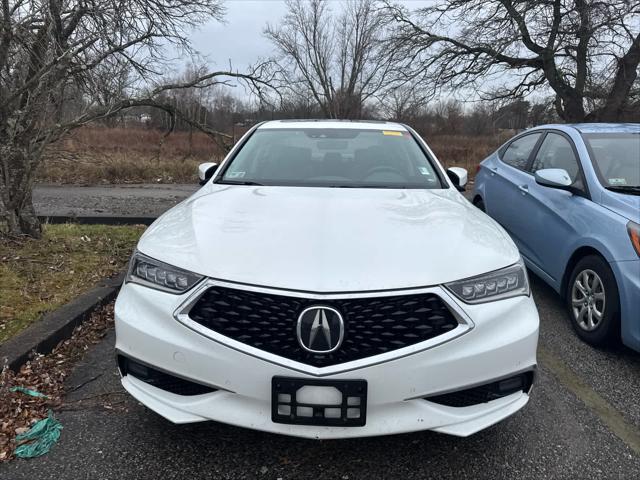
{"points": [[596, 127], [342, 124], [607, 127]]}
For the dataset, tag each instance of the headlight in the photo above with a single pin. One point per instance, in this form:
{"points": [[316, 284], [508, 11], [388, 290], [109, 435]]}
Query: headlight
{"points": [[634, 234], [505, 283], [161, 276]]}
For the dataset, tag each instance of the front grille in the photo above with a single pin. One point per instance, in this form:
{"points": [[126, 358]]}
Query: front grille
{"points": [[372, 325], [485, 393]]}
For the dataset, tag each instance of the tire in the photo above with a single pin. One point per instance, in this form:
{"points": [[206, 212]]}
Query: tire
{"points": [[479, 203], [592, 301]]}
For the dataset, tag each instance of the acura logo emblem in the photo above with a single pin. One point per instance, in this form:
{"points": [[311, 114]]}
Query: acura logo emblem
{"points": [[320, 329]]}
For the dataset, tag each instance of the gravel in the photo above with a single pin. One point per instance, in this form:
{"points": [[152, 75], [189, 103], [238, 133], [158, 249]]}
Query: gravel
{"points": [[131, 200]]}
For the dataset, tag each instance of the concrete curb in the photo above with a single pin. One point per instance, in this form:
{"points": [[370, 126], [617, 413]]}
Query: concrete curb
{"points": [[56, 326], [97, 219]]}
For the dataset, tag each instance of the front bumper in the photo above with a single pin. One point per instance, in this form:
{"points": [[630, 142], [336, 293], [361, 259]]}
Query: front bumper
{"points": [[628, 279], [502, 342]]}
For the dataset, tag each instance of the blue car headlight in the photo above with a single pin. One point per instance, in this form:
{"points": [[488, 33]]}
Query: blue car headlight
{"points": [[153, 273], [508, 282]]}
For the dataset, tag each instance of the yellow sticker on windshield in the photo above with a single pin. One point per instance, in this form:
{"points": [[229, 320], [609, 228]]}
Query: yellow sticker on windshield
{"points": [[392, 133]]}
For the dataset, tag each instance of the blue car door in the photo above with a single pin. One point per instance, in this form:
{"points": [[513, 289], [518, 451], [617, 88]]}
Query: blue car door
{"points": [[507, 184], [549, 221]]}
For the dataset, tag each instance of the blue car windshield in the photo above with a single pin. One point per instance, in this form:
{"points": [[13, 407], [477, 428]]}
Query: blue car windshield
{"points": [[332, 157], [616, 157]]}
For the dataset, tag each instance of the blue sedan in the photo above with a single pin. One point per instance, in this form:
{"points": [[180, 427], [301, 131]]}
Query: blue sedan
{"points": [[569, 196]]}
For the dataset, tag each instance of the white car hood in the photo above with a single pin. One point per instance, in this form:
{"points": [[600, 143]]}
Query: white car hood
{"points": [[329, 239]]}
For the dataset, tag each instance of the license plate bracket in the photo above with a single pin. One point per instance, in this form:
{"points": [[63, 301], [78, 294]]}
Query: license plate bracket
{"points": [[286, 409]]}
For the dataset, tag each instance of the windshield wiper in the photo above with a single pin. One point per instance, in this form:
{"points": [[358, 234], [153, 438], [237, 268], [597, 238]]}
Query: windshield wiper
{"points": [[238, 182], [633, 189]]}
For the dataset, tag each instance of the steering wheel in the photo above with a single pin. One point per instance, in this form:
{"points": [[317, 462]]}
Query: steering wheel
{"points": [[384, 168]]}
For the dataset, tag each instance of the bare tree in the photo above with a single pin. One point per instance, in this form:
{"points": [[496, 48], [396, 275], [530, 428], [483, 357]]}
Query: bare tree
{"points": [[404, 102], [476, 121], [336, 59], [53, 52], [450, 116], [110, 81], [586, 51]]}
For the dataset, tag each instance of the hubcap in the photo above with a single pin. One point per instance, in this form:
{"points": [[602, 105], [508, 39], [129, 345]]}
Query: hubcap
{"points": [[588, 300]]}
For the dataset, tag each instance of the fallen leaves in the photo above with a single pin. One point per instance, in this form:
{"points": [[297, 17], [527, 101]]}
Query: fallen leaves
{"points": [[45, 374]]}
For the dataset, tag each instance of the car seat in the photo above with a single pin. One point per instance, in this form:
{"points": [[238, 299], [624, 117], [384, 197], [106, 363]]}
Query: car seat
{"points": [[285, 162]]}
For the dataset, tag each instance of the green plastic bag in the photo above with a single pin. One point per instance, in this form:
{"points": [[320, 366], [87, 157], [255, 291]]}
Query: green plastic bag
{"points": [[28, 391], [39, 438]]}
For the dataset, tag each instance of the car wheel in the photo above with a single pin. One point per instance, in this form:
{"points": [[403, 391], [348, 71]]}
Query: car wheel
{"points": [[593, 302], [479, 203]]}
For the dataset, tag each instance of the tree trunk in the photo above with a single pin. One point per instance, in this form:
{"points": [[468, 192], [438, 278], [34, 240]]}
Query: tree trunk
{"points": [[569, 102], [23, 221], [570, 107], [626, 75], [16, 187]]}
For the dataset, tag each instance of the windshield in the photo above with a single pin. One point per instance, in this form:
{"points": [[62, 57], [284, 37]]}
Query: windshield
{"points": [[616, 157], [332, 157]]}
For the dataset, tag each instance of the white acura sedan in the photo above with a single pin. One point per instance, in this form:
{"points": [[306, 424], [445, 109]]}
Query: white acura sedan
{"points": [[328, 281]]}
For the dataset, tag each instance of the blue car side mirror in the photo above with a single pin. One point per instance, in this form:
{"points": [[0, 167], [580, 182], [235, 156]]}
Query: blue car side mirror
{"points": [[554, 178]]}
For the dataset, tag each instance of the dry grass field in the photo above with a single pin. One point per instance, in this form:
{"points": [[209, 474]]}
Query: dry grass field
{"points": [[464, 150], [97, 155]]}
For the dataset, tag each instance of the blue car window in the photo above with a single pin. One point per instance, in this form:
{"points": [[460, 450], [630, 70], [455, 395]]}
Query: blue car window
{"points": [[616, 157], [556, 152], [518, 152]]}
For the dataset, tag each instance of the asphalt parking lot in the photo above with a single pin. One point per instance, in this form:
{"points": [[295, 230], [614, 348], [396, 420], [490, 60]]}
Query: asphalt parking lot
{"points": [[583, 421]]}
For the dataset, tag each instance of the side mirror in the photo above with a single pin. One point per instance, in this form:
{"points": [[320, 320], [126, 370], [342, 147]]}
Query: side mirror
{"points": [[554, 178], [458, 176], [206, 171]]}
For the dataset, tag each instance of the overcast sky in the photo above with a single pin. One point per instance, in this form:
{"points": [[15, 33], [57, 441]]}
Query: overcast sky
{"points": [[240, 38]]}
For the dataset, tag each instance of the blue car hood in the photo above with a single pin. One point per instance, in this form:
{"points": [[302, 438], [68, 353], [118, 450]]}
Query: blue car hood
{"points": [[626, 205]]}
